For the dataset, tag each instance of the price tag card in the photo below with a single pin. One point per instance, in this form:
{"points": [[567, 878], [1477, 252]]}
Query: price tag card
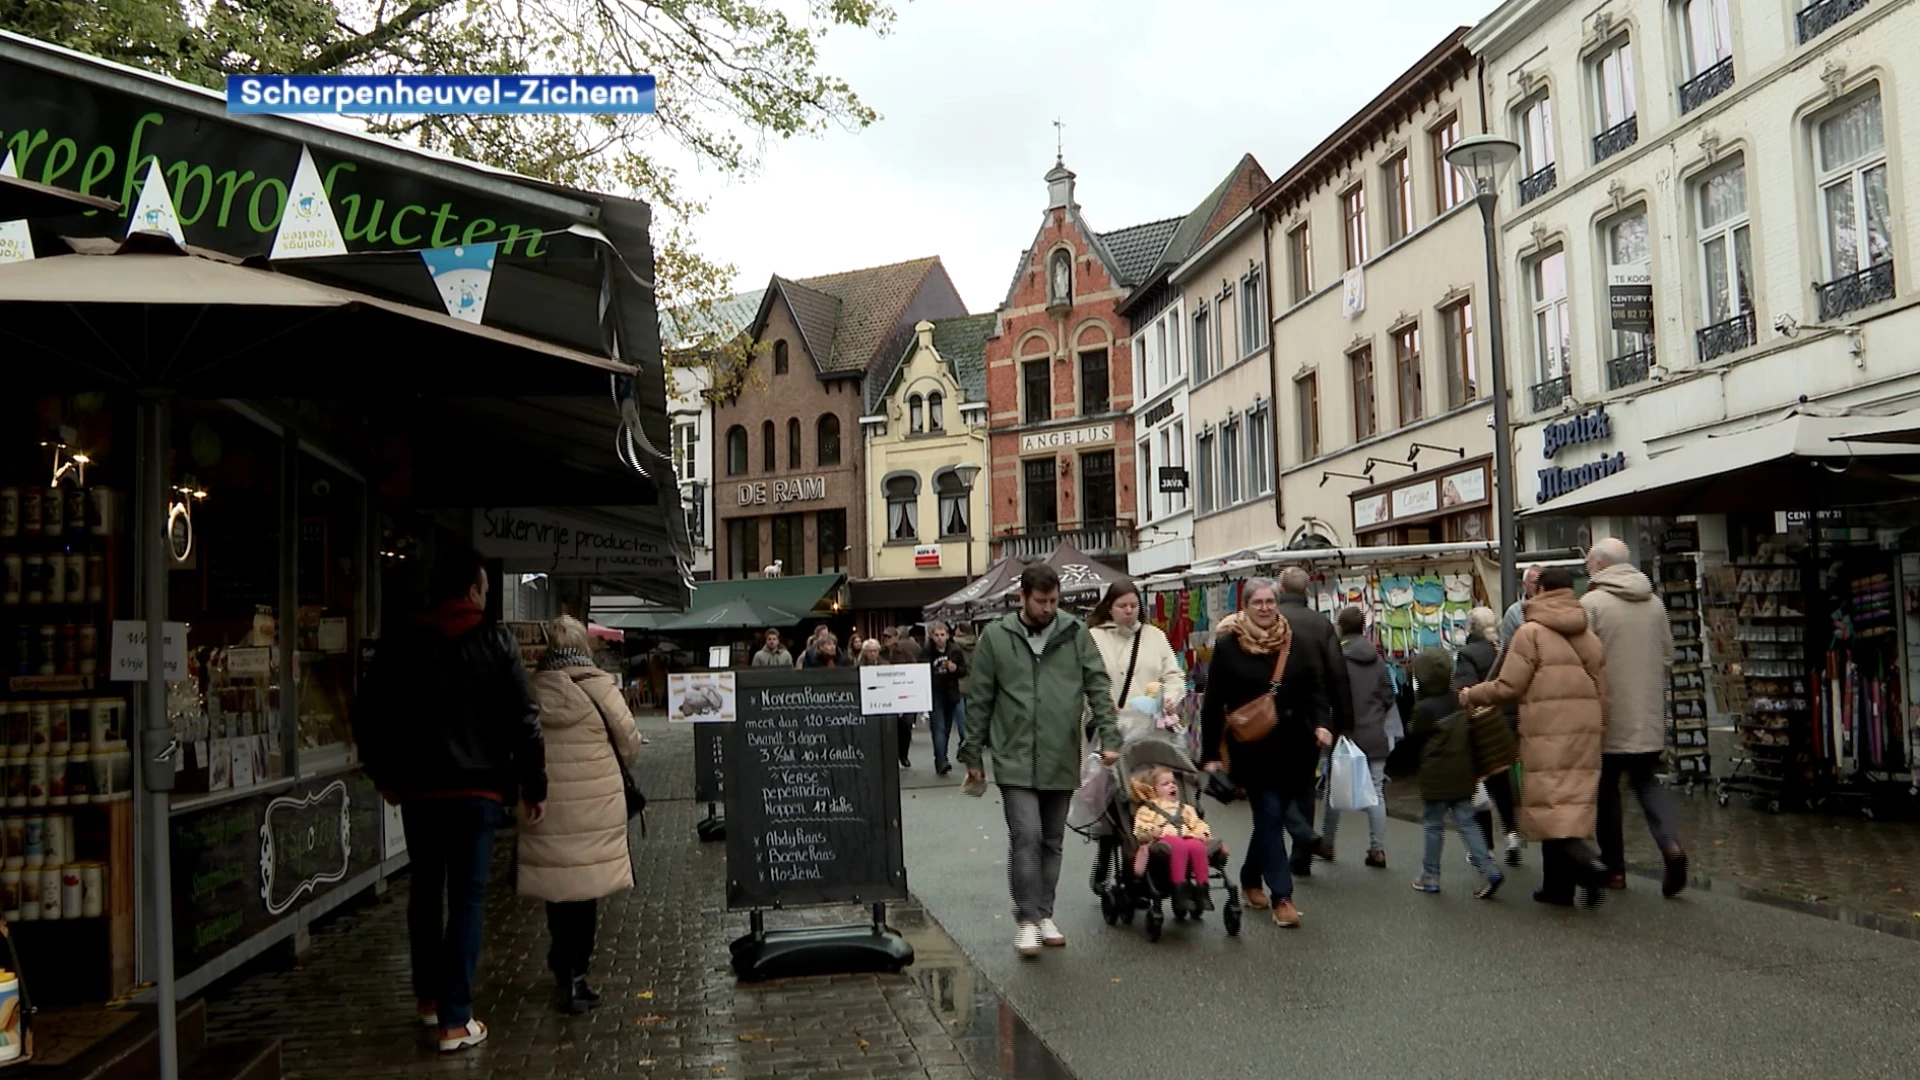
{"points": [[896, 688]]}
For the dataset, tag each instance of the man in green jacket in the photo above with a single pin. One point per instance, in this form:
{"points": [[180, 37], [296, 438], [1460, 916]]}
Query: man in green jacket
{"points": [[1036, 673]]}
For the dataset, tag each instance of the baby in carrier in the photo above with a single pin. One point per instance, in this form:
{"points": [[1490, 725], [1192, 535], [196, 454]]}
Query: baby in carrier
{"points": [[1163, 818]]}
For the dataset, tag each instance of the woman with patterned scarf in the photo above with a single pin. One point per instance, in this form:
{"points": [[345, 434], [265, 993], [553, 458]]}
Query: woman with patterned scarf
{"points": [[578, 852], [1277, 769]]}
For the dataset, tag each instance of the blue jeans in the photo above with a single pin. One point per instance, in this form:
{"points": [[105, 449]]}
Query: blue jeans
{"points": [[1376, 814], [1273, 812], [1461, 813], [450, 844], [946, 720]]}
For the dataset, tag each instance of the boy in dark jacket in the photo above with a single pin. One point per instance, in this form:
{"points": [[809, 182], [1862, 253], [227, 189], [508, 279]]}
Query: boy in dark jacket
{"points": [[1447, 771]]}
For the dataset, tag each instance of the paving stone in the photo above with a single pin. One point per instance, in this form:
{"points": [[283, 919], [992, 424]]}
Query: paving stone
{"points": [[672, 1009]]}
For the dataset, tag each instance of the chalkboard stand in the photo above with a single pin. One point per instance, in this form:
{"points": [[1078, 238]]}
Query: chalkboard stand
{"points": [[819, 950], [713, 827]]}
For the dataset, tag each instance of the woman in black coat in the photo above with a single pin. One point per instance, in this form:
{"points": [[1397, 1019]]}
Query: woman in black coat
{"points": [[1276, 771], [1478, 662]]}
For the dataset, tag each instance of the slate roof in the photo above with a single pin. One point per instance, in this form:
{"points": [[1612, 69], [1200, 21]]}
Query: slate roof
{"points": [[682, 326], [1136, 250], [846, 317], [962, 343]]}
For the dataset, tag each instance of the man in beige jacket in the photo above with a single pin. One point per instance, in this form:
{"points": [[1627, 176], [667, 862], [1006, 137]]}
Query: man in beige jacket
{"points": [[1631, 623]]}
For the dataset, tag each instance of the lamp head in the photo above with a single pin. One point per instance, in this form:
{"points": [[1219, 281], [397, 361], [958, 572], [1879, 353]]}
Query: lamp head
{"points": [[966, 472], [1483, 160]]}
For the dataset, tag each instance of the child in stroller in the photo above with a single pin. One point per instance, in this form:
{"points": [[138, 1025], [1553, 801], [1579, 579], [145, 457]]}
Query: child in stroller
{"points": [[1166, 821], [1137, 868]]}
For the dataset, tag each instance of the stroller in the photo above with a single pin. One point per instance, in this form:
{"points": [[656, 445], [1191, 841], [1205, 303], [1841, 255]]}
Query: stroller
{"points": [[1121, 892]]}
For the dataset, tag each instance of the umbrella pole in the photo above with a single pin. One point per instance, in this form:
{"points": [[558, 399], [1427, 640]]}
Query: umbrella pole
{"points": [[156, 765]]}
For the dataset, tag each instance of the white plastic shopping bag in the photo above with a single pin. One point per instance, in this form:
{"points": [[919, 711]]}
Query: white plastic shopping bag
{"points": [[1349, 783], [1482, 800], [1090, 800]]}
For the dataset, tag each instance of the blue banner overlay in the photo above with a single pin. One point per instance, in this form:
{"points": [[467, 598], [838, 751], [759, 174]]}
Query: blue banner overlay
{"points": [[419, 95]]}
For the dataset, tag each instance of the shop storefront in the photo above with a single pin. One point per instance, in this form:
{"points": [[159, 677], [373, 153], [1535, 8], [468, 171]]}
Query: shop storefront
{"points": [[1791, 571], [1445, 505], [262, 466]]}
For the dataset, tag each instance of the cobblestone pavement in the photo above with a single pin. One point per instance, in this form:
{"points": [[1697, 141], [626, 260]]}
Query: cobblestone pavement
{"points": [[672, 1009], [1832, 859]]}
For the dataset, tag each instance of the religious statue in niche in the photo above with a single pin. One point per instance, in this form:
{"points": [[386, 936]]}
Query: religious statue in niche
{"points": [[1060, 278]]}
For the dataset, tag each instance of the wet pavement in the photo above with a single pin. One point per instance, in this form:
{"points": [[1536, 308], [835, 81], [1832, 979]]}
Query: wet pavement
{"points": [[672, 1008], [1834, 865]]}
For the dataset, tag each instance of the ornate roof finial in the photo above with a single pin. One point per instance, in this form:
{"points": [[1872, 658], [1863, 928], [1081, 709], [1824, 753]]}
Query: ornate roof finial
{"points": [[1059, 142]]}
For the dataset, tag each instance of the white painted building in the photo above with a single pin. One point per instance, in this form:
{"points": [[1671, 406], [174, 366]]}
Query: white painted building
{"points": [[1747, 159], [692, 416]]}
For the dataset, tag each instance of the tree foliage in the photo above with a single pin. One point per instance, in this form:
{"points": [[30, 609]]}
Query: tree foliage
{"points": [[730, 75]]}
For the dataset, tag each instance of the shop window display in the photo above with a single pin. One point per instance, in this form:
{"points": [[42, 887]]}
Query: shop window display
{"points": [[329, 572]]}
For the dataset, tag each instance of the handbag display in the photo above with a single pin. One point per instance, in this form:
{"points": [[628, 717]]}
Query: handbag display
{"points": [[1255, 720]]}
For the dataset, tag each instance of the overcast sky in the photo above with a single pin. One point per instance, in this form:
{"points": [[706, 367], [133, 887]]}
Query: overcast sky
{"points": [[1159, 99]]}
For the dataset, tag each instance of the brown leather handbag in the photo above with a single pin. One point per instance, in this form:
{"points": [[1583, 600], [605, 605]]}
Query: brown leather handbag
{"points": [[1256, 719]]}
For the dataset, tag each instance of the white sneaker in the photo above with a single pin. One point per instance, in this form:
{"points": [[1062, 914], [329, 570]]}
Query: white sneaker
{"points": [[1026, 939], [473, 1034], [1515, 845], [1050, 934]]}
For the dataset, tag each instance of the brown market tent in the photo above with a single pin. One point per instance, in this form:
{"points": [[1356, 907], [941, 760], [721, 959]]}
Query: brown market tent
{"points": [[1083, 580], [978, 594]]}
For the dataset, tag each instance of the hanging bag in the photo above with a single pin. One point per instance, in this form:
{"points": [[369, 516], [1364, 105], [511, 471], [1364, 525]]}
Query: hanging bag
{"points": [[1255, 720], [636, 802]]}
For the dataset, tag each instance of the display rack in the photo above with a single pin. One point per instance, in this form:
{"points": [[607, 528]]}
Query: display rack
{"points": [[1757, 620], [66, 826], [1687, 686]]}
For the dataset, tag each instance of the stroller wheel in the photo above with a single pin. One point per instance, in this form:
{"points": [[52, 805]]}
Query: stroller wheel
{"points": [[1107, 909], [1154, 922], [1230, 918]]}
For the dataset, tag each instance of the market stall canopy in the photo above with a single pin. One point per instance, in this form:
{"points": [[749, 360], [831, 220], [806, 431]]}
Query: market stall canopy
{"points": [[963, 603], [21, 199], [751, 603], [1791, 463], [736, 614], [1082, 580]]}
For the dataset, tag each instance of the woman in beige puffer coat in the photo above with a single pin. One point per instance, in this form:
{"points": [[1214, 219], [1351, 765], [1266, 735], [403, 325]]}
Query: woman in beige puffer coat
{"points": [[1557, 670], [578, 852]]}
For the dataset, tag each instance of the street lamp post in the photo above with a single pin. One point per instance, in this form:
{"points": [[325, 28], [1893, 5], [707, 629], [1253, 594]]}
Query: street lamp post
{"points": [[967, 472], [1483, 160]]}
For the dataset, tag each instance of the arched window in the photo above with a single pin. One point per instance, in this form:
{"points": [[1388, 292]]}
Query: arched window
{"points": [[954, 518], [936, 420], [903, 506], [827, 431], [736, 451], [766, 446], [916, 414], [780, 358], [793, 443]]}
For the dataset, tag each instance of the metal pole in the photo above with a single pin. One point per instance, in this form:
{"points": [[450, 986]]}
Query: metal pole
{"points": [[1502, 433], [157, 764]]}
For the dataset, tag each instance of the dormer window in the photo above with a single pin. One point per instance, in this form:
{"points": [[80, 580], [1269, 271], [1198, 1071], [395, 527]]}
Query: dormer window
{"points": [[916, 415], [936, 418]]}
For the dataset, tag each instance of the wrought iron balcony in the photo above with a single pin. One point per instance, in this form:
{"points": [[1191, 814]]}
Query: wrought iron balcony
{"points": [[1706, 86], [1095, 538], [1855, 291], [1629, 369], [1817, 19], [1548, 395], [1537, 185], [1722, 338], [1616, 138]]}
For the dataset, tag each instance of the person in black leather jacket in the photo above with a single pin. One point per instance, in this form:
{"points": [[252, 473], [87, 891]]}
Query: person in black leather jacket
{"points": [[449, 732]]}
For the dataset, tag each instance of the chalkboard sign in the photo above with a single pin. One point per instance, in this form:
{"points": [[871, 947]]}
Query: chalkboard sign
{"points": [[240, 867], [709, 762], [812, 794]]}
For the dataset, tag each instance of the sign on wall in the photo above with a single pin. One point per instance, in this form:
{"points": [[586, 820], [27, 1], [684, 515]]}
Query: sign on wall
{"points": [[926, 556], [1353, 293], [1416, 499], [1054, 440], [1556, 480], [1173, 480], [533, 540], [1369, 511], [1585, 428], [1463, 488], [799, 489], [1630, 296]]}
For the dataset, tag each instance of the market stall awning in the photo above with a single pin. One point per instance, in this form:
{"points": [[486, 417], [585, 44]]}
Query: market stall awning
{"points": [[20, 199], [1787, 464], [981, 591], [802, 594], [736, 614], [1083, 580]]}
